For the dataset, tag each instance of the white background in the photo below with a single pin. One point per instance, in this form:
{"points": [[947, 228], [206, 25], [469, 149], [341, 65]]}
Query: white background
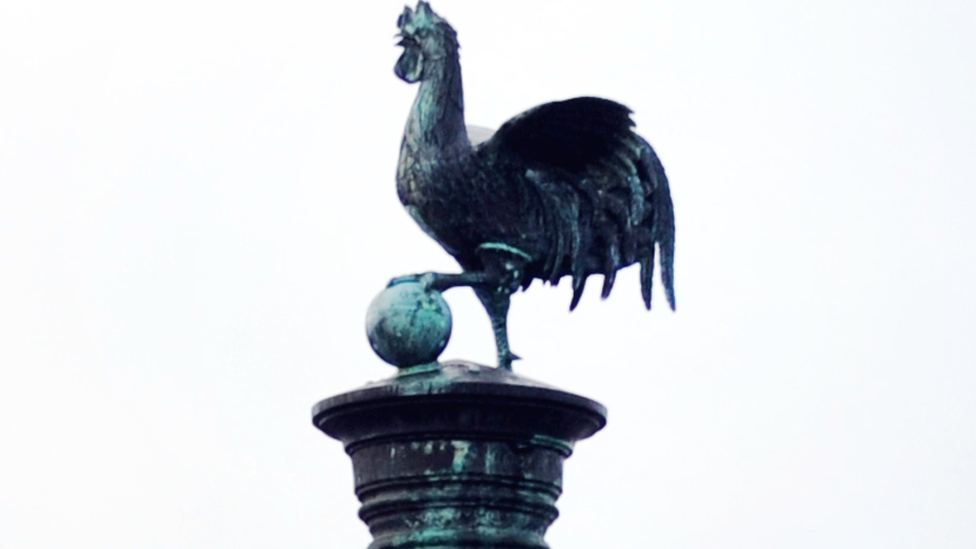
{"points": [[197, 204]]}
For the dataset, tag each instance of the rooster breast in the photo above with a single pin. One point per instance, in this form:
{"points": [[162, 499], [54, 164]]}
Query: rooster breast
{"points": [[465, 201]]}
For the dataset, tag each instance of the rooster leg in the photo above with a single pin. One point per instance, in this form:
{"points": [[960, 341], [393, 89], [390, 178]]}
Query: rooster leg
{"points": [[496, 302], [441, 281], [503, 268], [444, 281]]}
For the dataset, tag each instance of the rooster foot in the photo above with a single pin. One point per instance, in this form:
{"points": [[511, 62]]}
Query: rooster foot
{"points": [[424, 279]]}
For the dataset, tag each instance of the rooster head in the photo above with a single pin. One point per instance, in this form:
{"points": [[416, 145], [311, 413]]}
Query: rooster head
{"points": [[425, 37]]}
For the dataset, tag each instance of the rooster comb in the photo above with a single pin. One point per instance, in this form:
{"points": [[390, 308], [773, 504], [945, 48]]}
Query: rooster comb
{"points": [[411, 21]]}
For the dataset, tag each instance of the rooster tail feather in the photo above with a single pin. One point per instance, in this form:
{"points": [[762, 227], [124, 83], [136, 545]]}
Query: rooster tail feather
{"points": [[662, 228], [647, 277], [579, 282], [667, 273], [611, 264]]}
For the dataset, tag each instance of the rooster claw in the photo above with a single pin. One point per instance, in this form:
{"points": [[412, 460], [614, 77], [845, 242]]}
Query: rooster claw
{"points": [[426, 280], [400, 280]]}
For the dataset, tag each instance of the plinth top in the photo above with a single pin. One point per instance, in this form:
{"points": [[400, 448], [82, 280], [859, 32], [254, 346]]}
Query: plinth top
{"points": [[457, 377], [458, 396]]}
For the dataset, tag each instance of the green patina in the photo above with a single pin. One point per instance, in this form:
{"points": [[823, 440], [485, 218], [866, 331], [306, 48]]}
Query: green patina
{"points": [[461, 449]]}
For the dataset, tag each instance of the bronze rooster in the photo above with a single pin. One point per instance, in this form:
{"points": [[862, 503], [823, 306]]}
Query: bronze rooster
{"points": [[564, 189]]}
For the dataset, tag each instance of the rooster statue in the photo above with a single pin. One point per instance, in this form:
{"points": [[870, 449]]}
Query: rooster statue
{"points": [[564, 189]]}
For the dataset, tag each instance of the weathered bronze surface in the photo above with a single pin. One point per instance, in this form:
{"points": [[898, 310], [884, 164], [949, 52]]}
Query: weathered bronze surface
{"points": [[564, 189], [458, 455]]}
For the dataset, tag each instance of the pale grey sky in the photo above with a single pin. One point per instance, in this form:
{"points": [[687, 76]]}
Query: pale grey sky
{"points": [[197, 205]]}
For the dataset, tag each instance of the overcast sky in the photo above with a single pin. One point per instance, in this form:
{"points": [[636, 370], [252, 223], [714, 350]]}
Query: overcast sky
{"points": [[197, 204]]}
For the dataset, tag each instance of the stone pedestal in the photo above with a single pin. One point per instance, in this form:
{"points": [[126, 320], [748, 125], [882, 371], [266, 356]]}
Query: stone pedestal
{"points": [[458, 455]]}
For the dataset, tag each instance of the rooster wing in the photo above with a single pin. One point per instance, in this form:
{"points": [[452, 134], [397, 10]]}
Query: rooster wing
{"points": [[603, 193]]}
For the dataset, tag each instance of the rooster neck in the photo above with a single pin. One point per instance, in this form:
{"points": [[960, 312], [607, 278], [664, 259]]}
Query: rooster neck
{"points": [[435, 129], [435, 136]]}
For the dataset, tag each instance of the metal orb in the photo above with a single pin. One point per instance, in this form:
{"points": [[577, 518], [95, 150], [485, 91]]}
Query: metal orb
{"points": [[407, 325]]}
